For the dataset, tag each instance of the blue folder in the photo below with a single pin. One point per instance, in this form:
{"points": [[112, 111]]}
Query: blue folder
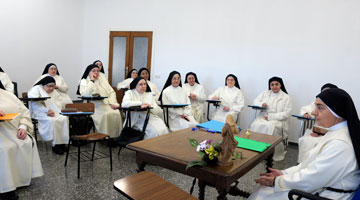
{"points": [[213, 125]]}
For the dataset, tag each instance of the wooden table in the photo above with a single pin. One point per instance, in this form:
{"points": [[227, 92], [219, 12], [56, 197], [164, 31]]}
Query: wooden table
{"points": [[173, 151], [147, 185]]}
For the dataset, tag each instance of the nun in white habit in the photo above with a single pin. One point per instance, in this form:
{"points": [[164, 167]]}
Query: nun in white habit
{"points": [[52, 70], [173, 93], [231, 97], [6, 81], [331, 169], [107, 116], [140, 95], [196, 93], [19, 157], [274, 120], [125, 84], [144, 72], [310, 139], [52, 125], [101, 68]]}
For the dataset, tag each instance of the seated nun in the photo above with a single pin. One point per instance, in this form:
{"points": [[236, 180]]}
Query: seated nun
{"points": [[52, 70], [144, 72], [101, 68], [18, 151], [196, 93], [52, 126], [140, 95], [310, 139], [173, 93], [6, 81], [274, 120], [125, 84], [107, 116], [231, 97], [331, 169]]}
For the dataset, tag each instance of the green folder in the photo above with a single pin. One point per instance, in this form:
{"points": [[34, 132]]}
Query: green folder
{"points": [[252, 144]]}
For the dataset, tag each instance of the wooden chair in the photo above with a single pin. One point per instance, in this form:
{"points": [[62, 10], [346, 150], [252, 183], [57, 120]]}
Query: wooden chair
{"points": [[15, 89], [84, 136], [147, 185]]}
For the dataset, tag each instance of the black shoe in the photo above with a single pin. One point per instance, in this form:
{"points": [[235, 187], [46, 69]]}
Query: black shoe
{"points": [[64, 147], [112, 143], [9, 196], [58, 150]]}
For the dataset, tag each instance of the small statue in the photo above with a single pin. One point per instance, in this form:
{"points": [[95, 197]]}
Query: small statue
{"points": [[228, 144]]}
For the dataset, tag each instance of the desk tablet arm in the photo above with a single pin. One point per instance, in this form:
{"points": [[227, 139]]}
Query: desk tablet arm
{"points": [[302, 194], [300, 117], [256, 107]]}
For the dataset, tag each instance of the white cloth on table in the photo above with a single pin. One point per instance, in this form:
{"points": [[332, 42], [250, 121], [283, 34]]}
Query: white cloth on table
{"points": [[50, 128], [19, 159], [230, 97], [278, 111], [106, 119], [197, 106], [156, 125], [177, 95], [332, 163]]}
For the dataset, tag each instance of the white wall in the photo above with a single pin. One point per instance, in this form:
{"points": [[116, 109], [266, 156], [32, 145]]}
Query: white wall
{"points": [[307, 43]]}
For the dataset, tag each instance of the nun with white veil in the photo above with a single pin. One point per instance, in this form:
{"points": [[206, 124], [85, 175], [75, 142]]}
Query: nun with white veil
{"points": [[140, 95], [331, 169], [173, 93], [52, 125], [6, 81], [196, 93], [107, 117], [52, 70], [274, 120], [19, 157], [231, 97]]}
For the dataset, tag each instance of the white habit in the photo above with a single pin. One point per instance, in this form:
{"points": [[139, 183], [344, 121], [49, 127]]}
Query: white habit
{"points": [[156, 125], [124, 84], [50, 128], [6, 81], [332, 163], [230, 97], [278, 111], [177, 95], [197, 106], [62, 90], [106, 119], [19, 159]]}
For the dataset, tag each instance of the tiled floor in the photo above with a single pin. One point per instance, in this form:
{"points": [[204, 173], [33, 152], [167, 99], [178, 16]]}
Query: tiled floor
{"points": [[96, 180]]}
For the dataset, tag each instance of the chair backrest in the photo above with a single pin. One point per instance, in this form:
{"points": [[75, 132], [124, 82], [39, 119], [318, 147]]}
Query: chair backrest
{"points": [[82, 107], [15, 88], [25, 99]]}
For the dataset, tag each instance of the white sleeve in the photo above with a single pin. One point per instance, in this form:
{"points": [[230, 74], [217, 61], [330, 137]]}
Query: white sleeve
{"points": [[87, 88], [239, 103], [285, 114], [259, 100], [201, 97], [128, 101], [63, 87], [307, 109], [215, 94]]}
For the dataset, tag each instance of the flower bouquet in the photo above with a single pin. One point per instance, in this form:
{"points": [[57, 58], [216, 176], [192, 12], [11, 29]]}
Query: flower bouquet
{"points": [[207, 152]]}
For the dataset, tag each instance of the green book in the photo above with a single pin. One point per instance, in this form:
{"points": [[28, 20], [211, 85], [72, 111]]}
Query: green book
{"points": [[252, 144]]}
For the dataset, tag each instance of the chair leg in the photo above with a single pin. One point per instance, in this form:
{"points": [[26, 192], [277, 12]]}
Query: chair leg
{"points": [[67, 153], [78, 161], [119, 150], [93, 152], [111, 158]]}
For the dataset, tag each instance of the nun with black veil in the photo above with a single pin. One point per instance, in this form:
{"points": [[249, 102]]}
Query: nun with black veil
{"points": [[274, 119], [107, 117], [310, 139], [19, 155], [125, 84], [101, 67], [173, 93], [331, 169], [6, 81], [140, 95], [52, 70], [196, 93], [231, 97], [144, 72], [52, 126]]}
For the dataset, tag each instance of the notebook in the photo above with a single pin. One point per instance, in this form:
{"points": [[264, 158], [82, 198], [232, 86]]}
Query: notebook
{"points": [[9, 116], [213, 125], [251, 144]]}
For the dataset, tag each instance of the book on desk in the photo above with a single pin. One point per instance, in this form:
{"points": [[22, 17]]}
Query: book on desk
{"points": [[9, 116]]}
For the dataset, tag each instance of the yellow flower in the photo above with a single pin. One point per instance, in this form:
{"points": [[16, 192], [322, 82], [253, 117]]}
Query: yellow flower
{"points": [[211, 152]]}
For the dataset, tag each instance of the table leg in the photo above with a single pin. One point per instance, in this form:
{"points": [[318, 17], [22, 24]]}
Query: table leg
{"points": [[202, 186], [269, 162], [141, 166]]}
